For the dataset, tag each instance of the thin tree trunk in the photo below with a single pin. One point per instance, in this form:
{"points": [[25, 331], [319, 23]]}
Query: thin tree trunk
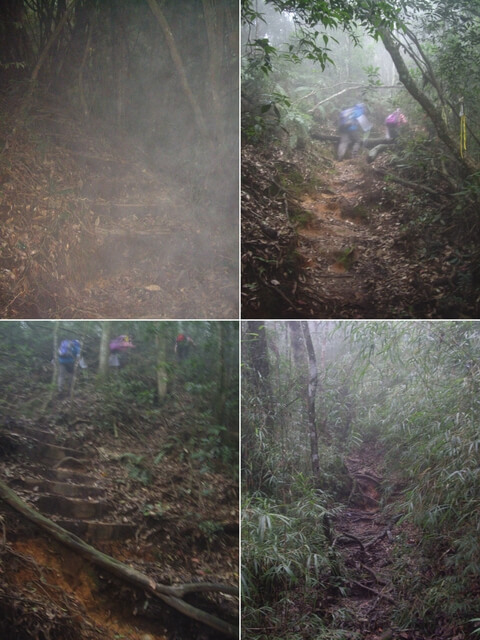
{"points": [[312, 389], [104, 349], [260, 366], [81, 86], [51, 40], [162, 369], [56, 328], [177, 61], [221, 381]]}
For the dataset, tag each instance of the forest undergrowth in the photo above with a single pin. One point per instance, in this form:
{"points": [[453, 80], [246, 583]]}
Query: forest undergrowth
{"points": [[371, 531], [360, 569]]}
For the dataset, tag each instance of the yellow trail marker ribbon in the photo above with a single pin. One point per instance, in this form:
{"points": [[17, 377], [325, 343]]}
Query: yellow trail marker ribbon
{"points": [[463, 131], [463, 135]]}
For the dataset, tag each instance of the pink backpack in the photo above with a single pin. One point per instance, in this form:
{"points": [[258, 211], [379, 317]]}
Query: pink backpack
{"points": [[392, 118]]}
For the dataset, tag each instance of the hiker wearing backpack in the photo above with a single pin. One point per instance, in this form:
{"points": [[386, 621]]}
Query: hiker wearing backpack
{"points": [[353, 123], [183, 346], [118, 346], [393, 122], [69, 353]]}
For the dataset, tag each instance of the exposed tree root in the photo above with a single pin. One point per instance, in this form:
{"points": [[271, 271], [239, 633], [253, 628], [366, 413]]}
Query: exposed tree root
{"points": [[172, 595], [351, 537], [377, 593], [377, 538]]}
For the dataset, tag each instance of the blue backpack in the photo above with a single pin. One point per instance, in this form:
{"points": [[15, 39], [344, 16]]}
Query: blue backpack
{"points": [[347, 119], [65, 348], [69, 349]]}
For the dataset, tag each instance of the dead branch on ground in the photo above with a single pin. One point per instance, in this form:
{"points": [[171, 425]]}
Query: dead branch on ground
{"points": [[172, 595]]}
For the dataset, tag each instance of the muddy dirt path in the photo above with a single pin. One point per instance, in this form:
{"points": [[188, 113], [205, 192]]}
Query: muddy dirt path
{"points": [[353, 249]]}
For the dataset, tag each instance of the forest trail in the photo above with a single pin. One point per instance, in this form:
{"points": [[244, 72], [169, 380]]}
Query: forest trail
{"points": [[329, 239], [367, 537], [356, 262], [90, 482], [364, 537], [93, 226]]}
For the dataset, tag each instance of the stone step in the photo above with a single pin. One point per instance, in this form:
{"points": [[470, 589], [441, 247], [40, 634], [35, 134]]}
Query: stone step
{"points": [[71, 507], [99, 531], [65, 489]]}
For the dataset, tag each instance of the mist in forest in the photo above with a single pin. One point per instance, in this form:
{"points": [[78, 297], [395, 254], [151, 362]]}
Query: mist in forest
{"points": [[144, 96], [360, 449], [355, 68]]}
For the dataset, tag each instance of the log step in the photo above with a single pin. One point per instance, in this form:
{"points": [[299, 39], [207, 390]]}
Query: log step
{"points": [[99, 531], [39, 435], [71, 507], [49, 454], [65, 489], [63, 475]]}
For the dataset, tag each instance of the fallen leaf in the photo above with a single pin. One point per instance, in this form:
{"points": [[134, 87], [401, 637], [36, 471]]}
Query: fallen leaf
{"points": [[153, 287]]}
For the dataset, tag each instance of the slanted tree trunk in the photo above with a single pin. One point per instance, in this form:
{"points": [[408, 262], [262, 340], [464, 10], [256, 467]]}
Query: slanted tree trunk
{"points": [[178, 65], [56, 33], [433, 112]]}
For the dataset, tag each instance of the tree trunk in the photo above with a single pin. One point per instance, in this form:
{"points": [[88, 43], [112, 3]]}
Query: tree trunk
{"points": [[221, 381], [260, 367], [299, 357], [446, 136], [312, 389], [162, 366], [56, 327], [51, 41], [178, 64], [104, 349]]}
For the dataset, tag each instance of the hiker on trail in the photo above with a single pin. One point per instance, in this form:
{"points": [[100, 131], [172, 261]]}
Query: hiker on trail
{"points": [[353, 123], [183, 346], [118, 346], [69, 354], [393, 122]]}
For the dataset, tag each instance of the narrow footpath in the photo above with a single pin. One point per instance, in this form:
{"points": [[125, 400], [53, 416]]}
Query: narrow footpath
{"points": [[368, 534], [329, 239], [356, 252]]}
